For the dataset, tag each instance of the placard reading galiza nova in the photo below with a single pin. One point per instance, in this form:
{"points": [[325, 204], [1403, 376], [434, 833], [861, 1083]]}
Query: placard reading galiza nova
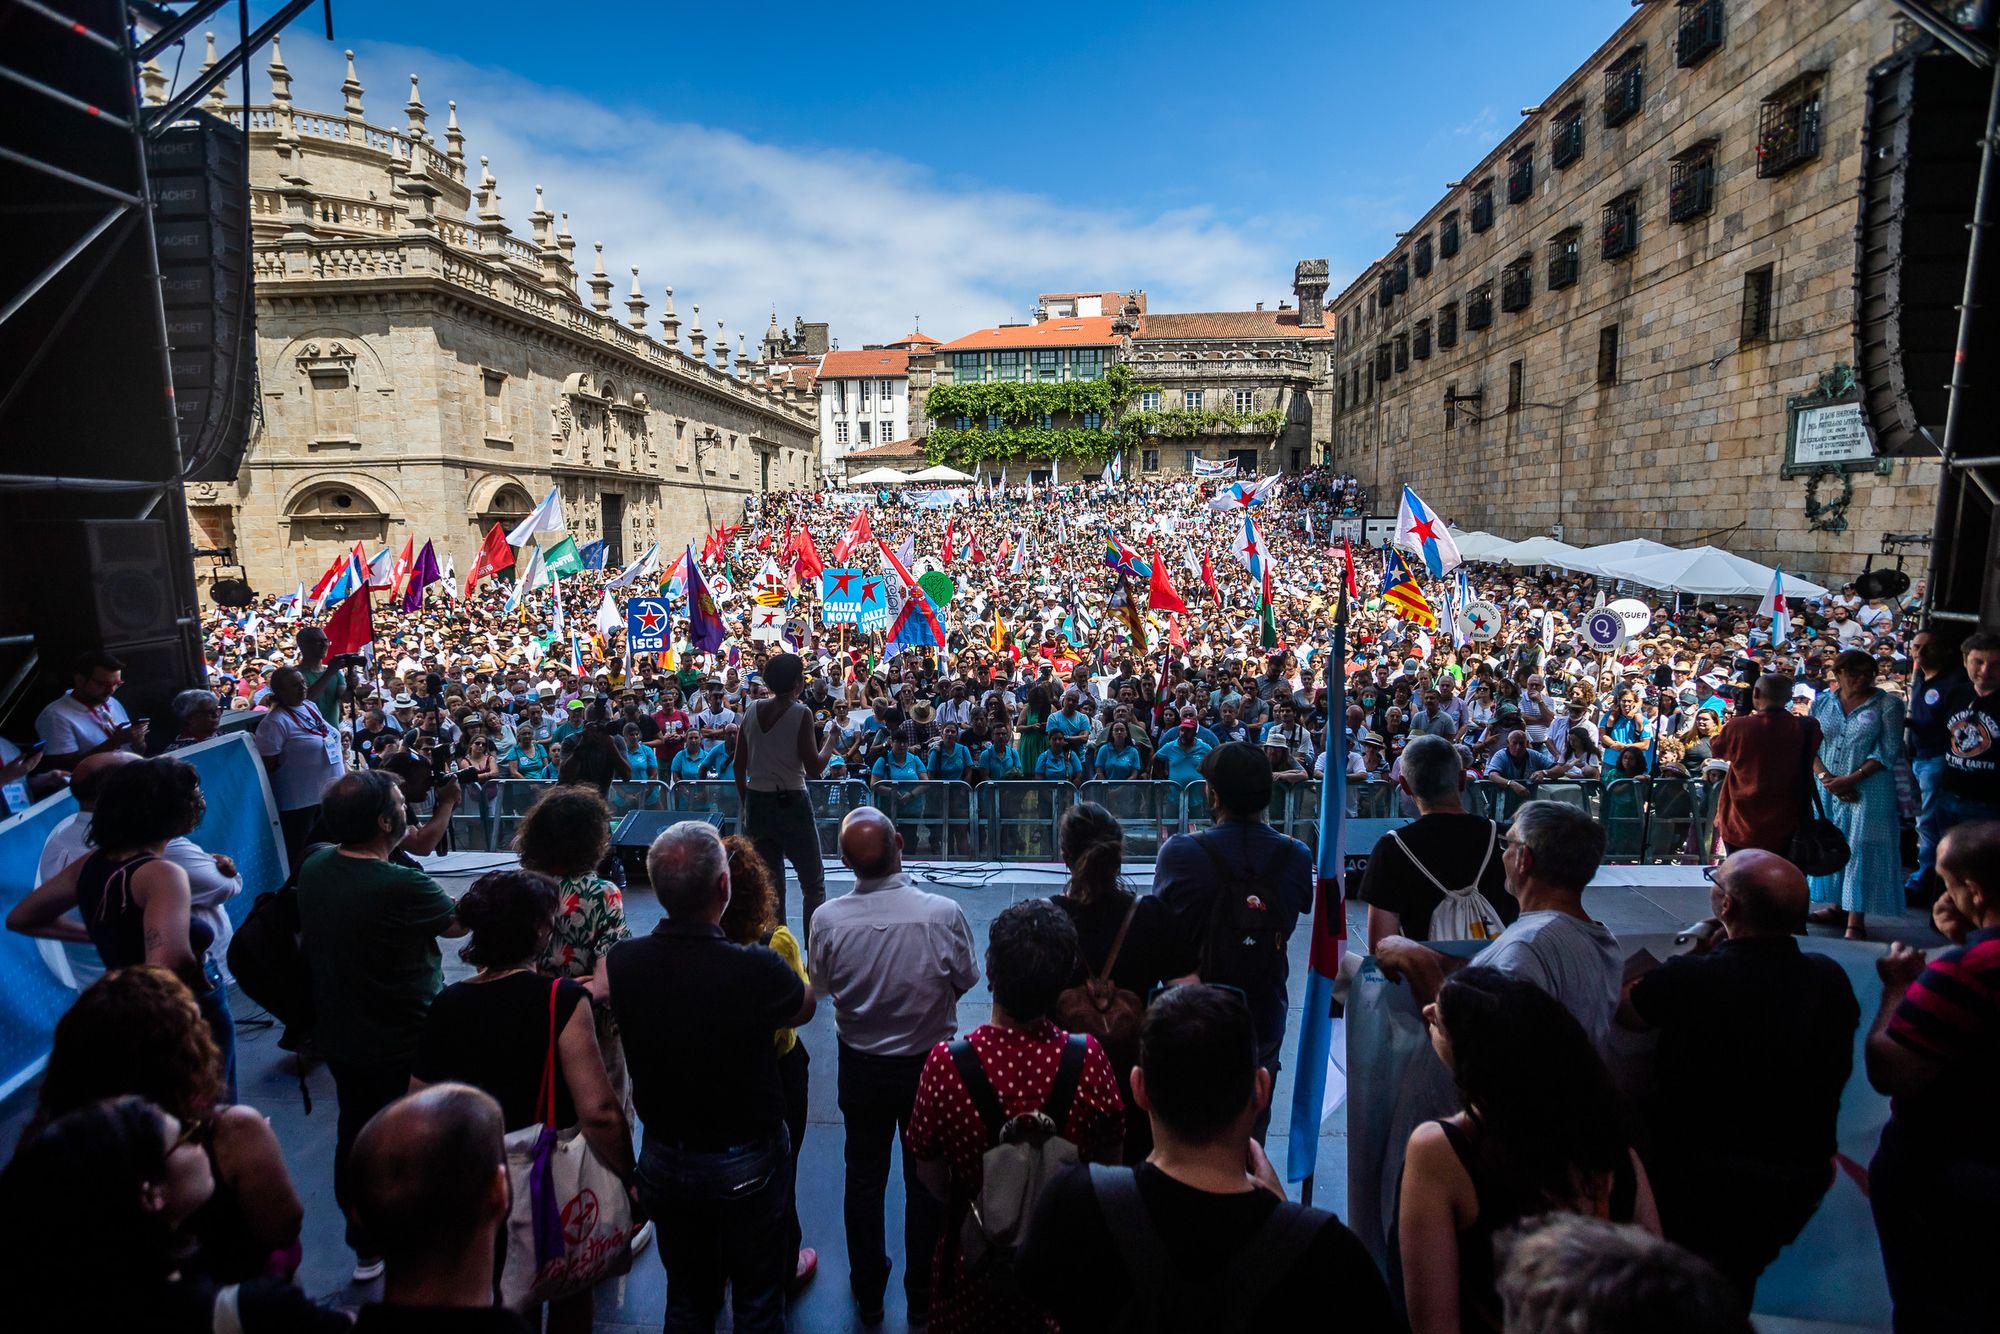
{"points": [[648, 624]]}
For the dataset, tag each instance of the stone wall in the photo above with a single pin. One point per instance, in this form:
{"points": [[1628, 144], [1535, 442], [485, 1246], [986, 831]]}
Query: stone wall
{"points": [[1687, 444]]}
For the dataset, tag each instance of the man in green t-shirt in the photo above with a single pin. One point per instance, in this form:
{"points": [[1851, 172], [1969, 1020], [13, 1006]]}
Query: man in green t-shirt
{"points": [[370, 922]]}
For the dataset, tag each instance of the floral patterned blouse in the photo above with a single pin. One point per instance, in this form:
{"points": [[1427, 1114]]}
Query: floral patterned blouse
{"points": [[590, 919]]}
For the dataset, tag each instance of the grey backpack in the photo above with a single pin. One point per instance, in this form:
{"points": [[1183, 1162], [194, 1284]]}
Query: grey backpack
{"points": [[1024, 1153]]}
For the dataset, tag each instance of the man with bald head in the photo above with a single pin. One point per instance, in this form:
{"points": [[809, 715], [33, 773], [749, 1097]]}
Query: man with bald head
{"points": [[1756, 1044], [430, 1185], [699, 1015], [894, 960]]}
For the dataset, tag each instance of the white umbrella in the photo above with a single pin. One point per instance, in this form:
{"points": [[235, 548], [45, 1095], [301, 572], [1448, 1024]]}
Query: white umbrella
{"points": [[1544, 551], [1481, 545], [941, 473], [1708, 572], [1608, 553], [880, 477]]}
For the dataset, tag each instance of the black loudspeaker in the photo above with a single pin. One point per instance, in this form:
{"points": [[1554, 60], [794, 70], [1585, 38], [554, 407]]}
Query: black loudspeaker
{"points": [[104, 581], [201, 227]]}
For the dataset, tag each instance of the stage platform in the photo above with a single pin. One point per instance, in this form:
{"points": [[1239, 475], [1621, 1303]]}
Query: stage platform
{"points": [[1632, 900]]}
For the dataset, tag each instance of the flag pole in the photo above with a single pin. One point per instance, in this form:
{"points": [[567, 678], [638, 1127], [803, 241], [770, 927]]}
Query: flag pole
{"points": [[1329, 935]]}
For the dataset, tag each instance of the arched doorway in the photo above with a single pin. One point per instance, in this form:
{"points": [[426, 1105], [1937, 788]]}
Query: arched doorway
{"points": [[327, 519]]}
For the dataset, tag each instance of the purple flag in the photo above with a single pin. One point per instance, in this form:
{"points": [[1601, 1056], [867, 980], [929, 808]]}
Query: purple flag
{"points": [[705, 627], [422, 575]]}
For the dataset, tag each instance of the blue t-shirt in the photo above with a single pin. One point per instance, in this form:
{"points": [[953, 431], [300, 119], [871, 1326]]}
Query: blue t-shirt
{"points": [[1061, 724], [690, 762], [950, 761], [1064, 766], [1123, 762], [1183, 762], [1000, 763], [908, 771], [644, 763]]}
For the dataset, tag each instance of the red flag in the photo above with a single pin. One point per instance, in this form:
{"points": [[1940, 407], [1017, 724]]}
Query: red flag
{"points": [[806, 563], [976, 556], [494, 556], [332, 573], [764, 542], [401, 569], [1006, 545], [946, 558], [1174, 635], [1161, 596], [858, 531], [1208, 578], [351, 628], [1347, 556]]}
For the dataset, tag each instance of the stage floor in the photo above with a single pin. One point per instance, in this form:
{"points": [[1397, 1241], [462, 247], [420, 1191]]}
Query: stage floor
{"points": [[1629, 900]]}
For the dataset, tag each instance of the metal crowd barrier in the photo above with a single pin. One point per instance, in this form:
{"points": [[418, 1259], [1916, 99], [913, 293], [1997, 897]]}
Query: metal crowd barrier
{"points": [[1646, 820]]}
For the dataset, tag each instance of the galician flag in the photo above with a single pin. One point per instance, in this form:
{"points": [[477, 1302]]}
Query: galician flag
{"points": [[556, 622], [1420, 530], [1320, 1081], [546, 518], [528, 576], [1778, 609], [609, 619], [643, 568], [1243, 495], [1249, 549]]}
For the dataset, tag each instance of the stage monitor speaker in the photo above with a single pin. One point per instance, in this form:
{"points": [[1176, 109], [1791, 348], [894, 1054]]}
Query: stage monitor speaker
{"points": [[636, 832], [103, 582]]}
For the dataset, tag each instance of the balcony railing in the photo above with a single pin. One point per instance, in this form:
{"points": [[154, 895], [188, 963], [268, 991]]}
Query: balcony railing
{"points": [[1520, 179], [1517, 286], [1700, 33], [1788, 130], [1692, 192], [1624, 89], [1482, 210], [1621, 228], [1565, 265], [1479, 308], [1566, 144]]}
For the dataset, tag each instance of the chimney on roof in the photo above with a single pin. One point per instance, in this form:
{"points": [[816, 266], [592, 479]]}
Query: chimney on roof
{"points": [[1260, 305], [1309, 286], [1284, 305]]}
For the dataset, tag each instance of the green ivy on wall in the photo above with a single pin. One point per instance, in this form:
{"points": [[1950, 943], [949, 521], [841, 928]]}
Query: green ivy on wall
{"points": [[1179, 422], [947, 445]]}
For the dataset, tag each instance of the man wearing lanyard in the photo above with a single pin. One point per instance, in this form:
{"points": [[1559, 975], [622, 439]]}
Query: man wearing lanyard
{"points": [[302, 752], [87, 720]]}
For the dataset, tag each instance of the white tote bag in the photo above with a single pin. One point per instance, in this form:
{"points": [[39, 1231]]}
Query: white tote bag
{"points": [[571, 1221]]}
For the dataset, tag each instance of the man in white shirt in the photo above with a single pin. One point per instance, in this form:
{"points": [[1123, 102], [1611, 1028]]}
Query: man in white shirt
{"points": [[87, 720], [894, 960]]}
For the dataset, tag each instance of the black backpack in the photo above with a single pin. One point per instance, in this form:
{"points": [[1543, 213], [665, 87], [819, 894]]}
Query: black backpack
{"points": [[1163, 1299], [1245, 944], [267, 962]]}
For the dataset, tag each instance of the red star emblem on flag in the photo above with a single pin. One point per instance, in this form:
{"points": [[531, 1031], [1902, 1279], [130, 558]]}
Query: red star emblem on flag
{"points": [[841, 581], [649, 622], [1424, 530]]}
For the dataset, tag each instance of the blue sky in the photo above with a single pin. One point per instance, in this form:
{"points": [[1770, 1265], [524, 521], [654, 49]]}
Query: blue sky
{"points": [[864, 165]]}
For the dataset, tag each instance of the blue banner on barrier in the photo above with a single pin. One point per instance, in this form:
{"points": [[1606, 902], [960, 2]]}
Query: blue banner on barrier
{"points": [[241, 821]]}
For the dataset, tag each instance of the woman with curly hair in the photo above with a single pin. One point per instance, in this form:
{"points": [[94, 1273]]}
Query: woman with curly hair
{"points": [[139, 1031], [565, 836], [752, 919], [136, 906], [1539, 1131]]}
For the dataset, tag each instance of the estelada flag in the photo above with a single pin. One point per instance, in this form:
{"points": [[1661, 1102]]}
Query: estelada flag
{"points": [[495, 555], [1402, 592], [858, 531], [1161, 595]]}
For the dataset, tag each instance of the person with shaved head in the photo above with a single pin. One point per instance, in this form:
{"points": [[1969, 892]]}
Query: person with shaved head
{"points": [[894, 960], [1756, 1041]]}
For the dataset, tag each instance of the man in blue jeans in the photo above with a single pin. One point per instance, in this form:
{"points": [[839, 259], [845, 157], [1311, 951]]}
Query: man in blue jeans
{"points": [[698, 1015], [1931, 682]]}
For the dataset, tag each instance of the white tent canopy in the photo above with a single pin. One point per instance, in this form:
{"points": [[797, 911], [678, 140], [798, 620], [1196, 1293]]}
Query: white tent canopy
{"points": [[1707, 572], [1544, 551], [941, 473], [1610, 553], [1481, 545], [880, 477]]}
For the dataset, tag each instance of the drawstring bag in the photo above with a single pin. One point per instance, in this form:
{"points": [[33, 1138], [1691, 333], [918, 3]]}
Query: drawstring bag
{"points": [[1464, 913], [570, 1226]]}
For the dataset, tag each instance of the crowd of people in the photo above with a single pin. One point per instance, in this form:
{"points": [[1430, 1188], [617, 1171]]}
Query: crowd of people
{"points": [[1093, 1154]]}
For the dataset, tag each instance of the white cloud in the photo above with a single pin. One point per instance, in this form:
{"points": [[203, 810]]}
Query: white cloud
{"points": [[862, 239]]}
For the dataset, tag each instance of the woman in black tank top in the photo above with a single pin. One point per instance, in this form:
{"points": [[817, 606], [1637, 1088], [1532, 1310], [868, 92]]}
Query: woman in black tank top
{"points": [[1540, 1131], [134, 903]]}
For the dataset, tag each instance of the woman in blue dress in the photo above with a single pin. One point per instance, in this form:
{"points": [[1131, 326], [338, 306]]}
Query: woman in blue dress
{"points": [[1862, 731]]}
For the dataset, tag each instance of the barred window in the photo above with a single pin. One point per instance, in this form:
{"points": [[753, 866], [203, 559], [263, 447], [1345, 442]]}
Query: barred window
{"points": [[1422, 253], [1521, 175], [1448, 324], [1788, 126], [1607, 354], [1565, 258], [1517, 284], [1700, 34], [1482, 205], [1448, 235], [1625, 87], [1621, 225], [1691, 192], [1566, 143], [1757, 286], [1479, 307]]}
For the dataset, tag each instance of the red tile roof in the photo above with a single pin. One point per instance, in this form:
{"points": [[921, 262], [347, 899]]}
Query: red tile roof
{"points": [[915, 340], [886, 362], [1230, 324], [889, 453], [1083, 331]]}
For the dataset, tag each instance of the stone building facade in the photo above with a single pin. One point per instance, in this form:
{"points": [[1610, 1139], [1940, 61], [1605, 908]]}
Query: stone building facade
{"points": [[1598, 329], [425, 373]]}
